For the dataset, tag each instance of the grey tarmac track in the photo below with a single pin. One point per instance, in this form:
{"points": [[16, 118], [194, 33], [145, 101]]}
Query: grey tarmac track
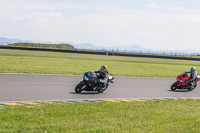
{"points": [[33, 87]]}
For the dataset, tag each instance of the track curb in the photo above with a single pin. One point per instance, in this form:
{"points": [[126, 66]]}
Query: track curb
{"points": [[39, 102]]}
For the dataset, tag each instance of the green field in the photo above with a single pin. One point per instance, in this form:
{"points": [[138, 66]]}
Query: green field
{"points": [[39, 62], [177, 116], [102, 117]]}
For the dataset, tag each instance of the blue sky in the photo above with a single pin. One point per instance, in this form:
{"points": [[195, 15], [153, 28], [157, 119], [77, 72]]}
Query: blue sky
{"points": [[155, 24]]}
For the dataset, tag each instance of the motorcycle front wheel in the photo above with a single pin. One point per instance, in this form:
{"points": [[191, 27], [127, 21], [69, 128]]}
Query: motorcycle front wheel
{"points": [[174, 86], [79, 88]]}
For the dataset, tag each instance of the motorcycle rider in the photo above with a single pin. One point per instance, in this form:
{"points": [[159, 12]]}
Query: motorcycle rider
{"points": [[103, 77], [193, 76]]}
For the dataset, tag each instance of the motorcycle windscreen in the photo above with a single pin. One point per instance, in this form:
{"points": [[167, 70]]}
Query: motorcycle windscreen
{"points": [[91, 76], [184, 75]]}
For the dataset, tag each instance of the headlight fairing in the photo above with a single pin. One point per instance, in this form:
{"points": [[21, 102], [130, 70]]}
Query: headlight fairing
{"points": [[85, 77], [179, 79]]}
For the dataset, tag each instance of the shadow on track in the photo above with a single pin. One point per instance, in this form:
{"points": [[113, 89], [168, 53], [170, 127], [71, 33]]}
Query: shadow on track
{"points": [[179, 90], [85, 93]]}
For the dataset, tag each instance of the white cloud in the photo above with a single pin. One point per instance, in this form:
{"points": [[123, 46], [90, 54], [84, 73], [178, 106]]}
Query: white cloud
{"points": [[155, 27], [47, 14], [154, 6]]}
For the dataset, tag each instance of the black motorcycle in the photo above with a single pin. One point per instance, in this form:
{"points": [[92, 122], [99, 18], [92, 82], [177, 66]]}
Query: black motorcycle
{"points": [[91, 82]]}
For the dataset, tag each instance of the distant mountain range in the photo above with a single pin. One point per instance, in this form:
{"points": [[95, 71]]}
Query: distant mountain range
{"points": [[89, 46], [132, 48], [111, 48], [6, 41]]}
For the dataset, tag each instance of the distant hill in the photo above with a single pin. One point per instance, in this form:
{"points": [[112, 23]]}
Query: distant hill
{"points": [[129, 48], [110, 48], [89, 46], [40, 45], [6, 41], [83, 45]]}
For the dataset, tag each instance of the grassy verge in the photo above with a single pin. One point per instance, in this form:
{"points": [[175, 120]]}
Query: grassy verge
{"points": [[148, 116], [39, 62]]}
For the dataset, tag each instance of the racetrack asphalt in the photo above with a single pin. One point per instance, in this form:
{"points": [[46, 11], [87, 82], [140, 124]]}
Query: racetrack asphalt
{"points": [[29, 87]]}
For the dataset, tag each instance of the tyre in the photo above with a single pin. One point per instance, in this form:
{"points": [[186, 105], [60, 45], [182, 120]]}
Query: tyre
{"points": [[100, 90], [79, 88], [174, 86], [195, 85], [192, 88], [105, 87]]}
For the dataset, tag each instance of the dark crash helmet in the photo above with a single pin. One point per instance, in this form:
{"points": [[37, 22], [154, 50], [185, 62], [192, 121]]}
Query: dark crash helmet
{"points": [[193, 69], [104, 69]]}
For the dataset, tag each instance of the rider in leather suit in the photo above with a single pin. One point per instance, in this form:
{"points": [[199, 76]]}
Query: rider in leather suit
{"points": [[103, 71], [193, 75]]}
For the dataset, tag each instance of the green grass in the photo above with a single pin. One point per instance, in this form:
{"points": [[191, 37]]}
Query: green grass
{"points": [[39, 62], [147, 116]]}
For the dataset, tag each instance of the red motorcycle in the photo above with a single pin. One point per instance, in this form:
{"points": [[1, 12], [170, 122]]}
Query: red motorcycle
{"points": [[183, 82]]}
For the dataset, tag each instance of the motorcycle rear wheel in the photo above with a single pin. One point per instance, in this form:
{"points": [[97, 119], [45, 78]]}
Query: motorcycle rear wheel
{"points": [[174, 86], [192, 88], [102, 89]]}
